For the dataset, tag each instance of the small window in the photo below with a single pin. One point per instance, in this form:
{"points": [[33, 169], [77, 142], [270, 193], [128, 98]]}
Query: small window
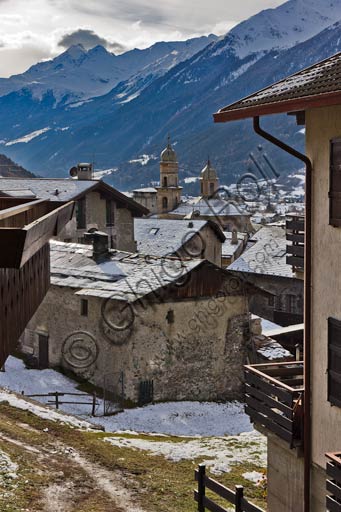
{"points": [[81, 214], [110, 212], [211, 188], [84, 307], [335, 183], [334, 361], [291, 303], [164, 203], [165, 181]]}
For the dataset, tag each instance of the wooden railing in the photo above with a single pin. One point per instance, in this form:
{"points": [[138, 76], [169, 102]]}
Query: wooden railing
{"points": [[333, 499], [235, 497], [295, 235], [274, 398]]}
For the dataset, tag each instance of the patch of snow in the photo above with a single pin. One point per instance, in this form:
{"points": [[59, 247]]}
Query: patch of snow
{"points": [[8, 468], [274, 351], [79, 103], [253, 476], [302, 131], [191, 179], [27, 138], [41, 411], [143, 160], [220, 454], [173, 418], [184, 419], [105, 172], [130, 98]]}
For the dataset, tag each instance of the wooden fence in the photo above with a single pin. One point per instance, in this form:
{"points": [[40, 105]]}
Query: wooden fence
{"points": [[235, 498], [56, 401]]}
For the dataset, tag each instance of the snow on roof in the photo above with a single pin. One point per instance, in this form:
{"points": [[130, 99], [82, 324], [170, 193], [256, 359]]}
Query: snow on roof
{"points": [[65, 189], [266, 255], [121, 276], [161, 237], [214, 207]]}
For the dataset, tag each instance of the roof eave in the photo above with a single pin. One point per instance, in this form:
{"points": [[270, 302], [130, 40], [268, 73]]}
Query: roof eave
{"points": [[297, 104]]}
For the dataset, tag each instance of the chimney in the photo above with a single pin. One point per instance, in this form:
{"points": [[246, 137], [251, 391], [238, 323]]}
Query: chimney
{"points": [[82, 171], [100, 244], [234, 240]]}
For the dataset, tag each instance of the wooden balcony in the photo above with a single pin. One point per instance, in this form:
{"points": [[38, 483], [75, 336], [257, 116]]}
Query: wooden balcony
{"points": [[295, 235], [25, 229], [274, 399], [333, 499]]}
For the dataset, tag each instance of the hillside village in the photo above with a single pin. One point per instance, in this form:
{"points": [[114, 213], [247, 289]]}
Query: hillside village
{"points": [[179, 329]]}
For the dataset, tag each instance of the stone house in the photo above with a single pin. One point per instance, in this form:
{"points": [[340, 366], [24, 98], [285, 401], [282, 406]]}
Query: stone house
{"points": [[180, 238], [264, 265], [182, 324], [301, 409], [146, 196], [98, 206]]}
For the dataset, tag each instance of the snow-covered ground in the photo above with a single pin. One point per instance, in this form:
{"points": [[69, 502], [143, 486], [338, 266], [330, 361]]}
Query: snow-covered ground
{"points": [[27, 138], [174, 418], [219, 453], [185, 419]]}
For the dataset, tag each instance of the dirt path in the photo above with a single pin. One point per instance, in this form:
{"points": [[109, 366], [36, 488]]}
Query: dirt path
{"points": [[69, 481]]}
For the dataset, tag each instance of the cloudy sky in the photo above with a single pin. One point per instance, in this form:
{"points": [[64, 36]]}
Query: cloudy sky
{"points": [[32, 30]]}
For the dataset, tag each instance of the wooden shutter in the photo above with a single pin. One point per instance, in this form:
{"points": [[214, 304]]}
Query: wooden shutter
{"points": [[335, 183], [334, 361]]}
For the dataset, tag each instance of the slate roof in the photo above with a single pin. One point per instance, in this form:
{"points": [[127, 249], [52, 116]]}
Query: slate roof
{"points": [[210, 208], [63, 190], [161, 237], [266, 256], [228, 249], [122, 276], [317, 85]]}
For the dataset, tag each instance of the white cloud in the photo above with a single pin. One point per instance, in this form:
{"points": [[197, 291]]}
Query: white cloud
{"points": [[131, 23]]}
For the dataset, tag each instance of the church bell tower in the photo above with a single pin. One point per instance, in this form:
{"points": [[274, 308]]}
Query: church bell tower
{"points": [[169, 192]]}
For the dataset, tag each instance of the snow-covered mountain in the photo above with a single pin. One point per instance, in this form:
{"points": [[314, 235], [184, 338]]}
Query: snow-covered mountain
{"points": [[180, 99], [78, 74], [285, 26]]}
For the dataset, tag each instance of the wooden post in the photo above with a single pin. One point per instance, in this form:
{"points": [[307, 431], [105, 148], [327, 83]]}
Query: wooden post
{"points": [[239, 498], [297, 350], [57, 400], [201, 487], [93, 404]]}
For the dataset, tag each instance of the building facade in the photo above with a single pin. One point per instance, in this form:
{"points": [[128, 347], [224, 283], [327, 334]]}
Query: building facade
{"points": [[98, 206], [148, 320], [304, 446]]}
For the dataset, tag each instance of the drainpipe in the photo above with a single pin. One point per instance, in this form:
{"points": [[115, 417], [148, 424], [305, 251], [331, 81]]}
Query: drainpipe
{"points": [[307, 303]]}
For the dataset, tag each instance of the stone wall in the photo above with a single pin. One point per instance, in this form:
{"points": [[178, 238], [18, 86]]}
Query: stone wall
{"points": [[192, 349], [121, 234]]}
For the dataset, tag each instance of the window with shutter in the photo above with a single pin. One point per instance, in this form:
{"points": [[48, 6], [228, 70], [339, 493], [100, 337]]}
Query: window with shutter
{"points": [[334, 361], [335, 183]]}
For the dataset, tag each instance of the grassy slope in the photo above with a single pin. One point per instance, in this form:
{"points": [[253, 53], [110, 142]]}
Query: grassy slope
{"points": [[154, 482]]}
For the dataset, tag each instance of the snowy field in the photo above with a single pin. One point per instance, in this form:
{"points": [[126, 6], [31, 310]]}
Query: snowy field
{"points": [[174, 418], [220, 435]]}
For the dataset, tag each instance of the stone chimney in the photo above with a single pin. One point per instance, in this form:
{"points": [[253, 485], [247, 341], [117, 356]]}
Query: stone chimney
{"points": [[84, 171], [100, 244], [234, 240]]}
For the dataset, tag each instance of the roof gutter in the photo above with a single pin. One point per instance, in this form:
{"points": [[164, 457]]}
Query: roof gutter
{"points": [[307, 302]]}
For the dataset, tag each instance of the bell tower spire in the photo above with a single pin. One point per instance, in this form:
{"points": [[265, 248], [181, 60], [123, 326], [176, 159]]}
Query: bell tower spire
{"points": [[169, 192]]}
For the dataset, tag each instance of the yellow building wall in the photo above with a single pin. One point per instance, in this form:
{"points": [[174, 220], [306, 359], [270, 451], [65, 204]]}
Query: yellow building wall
{"points": [[323, 124]]}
